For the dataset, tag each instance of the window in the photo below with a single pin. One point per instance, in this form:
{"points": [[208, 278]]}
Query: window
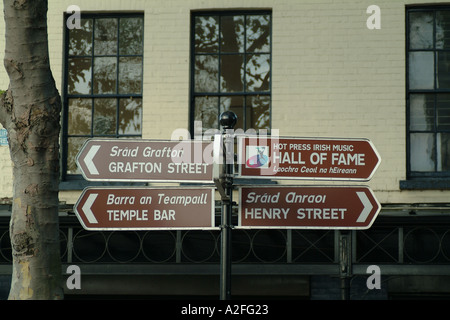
{"points": [[428, 92], [103, 82], [231, 68]]}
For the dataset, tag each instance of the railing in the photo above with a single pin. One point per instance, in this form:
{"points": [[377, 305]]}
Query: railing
{"points": [[429, 244], [399, 242]]}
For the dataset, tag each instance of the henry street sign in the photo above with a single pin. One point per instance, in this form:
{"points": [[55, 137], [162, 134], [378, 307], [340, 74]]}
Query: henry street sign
{"points": [[147, 160], [308, 207], [307, 158], [117, 208]]}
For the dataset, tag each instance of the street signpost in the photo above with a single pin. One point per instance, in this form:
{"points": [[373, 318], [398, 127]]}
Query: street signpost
{"points": [[118, 208], [197, 161], [307, 158], [309, 207], [147, 160]]}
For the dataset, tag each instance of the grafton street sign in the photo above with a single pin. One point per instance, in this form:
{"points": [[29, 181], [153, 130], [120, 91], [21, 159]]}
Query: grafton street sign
{"points": [[147, 160]]}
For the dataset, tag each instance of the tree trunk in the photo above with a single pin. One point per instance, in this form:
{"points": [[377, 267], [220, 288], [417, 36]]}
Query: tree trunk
{"points": [[30, 112]]}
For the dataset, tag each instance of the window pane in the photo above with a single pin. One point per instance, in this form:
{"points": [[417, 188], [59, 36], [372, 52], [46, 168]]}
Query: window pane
{"points": [[105, 116], [105, 36], [206, 111], [258, 33], [231, 60], [80, 116], [422, 152], [206, 73], [421, 30], [443, 111], [232, 34], [421, 108], [258, 112], [74, 145], [130, 116], [206, 34], [443, 151], [232, 73], [442, 29], [258, 72], [131, 35], [104, 59], [79, 76], [236, 105], [130, 75], [421, 70], [80, 40], [443, 70], [105, 70]]}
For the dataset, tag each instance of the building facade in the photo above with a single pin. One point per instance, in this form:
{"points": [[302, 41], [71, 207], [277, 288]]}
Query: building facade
{"points": [[143, 69]]}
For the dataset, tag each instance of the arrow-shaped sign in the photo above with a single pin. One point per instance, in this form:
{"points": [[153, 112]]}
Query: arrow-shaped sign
{"points": [[88, 160], [86, 209], [307, 158], [367, 206], [147, 160], [116, 208], [309, 207]]}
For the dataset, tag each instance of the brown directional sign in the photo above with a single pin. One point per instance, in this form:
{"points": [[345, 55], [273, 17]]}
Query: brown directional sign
{"points": [[117, 208], [307, 207], [307, 158], [146, 160]]}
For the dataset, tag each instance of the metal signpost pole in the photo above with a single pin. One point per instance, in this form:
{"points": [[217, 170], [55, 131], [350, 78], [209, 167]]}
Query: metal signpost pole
{"points": [[228, 121], [345, 263]]}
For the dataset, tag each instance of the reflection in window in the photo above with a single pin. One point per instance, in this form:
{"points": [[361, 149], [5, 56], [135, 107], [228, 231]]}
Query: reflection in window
{"points": [[428, 92], [443, 142], [422, 152], [130, 116], [80, 76], [104, 116], [206, 73], [232, 68], [421, 70], [205, 111], [421, 108], [443, 111], [235, 104], [258, 72], [105, 75], [232, 73], [103, 95], [75, 144], [442, 29], [130, 75], [421, 30], [206, 34], [259, 116], [80, 40], [131, 33], [258, 33], [80, 116], [105, 38], [443, 70]]}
